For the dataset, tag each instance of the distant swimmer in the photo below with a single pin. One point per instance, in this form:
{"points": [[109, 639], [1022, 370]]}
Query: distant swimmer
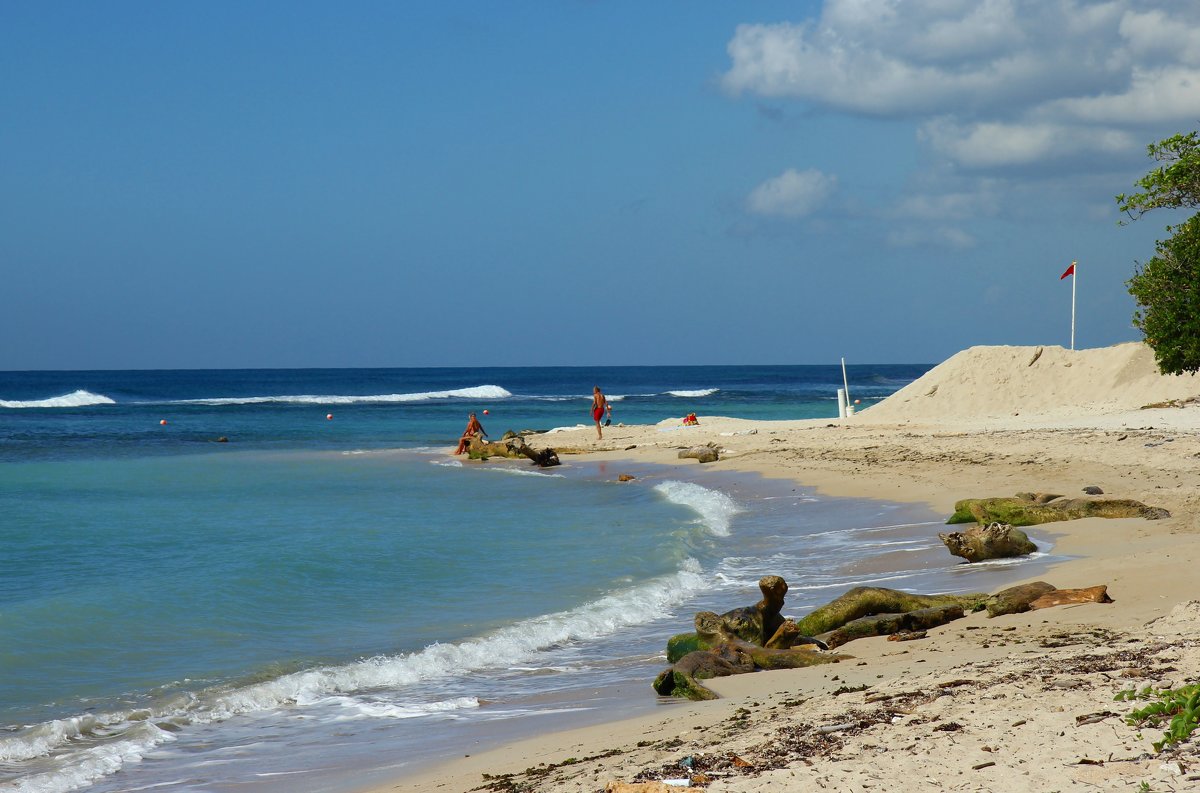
{"points": [[473, 428], [599, 405]]}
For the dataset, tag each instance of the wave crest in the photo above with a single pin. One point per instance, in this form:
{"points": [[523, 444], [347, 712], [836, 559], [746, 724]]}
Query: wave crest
{"points": [[75, 399], [702, 392], [479, 392], [715, 509]]}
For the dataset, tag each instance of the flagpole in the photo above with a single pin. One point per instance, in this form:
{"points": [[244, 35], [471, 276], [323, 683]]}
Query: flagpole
{"points": [[1074, 280]]}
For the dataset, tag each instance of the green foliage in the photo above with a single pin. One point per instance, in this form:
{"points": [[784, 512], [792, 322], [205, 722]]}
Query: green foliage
{"points": [[1175, 184], [1167, 292], [1180, 708]]}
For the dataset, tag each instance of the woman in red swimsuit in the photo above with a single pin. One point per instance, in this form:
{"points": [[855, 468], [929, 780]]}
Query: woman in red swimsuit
{"points": [[599, 403]]}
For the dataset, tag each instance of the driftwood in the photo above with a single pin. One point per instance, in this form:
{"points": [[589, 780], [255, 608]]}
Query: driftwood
{"points": [[682, 679], [1030, 509], [994, 541], [1015, 600], [512, 446], [1040, 595], [887, 624], [742, 640], [761, 625], [707, 453], [1065, 597], [865, 601]]}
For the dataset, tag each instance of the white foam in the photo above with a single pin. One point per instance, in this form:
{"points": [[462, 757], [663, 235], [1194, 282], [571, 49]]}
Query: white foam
{"points": [[715, 509], [702, 392], [75, 399], [506, 469], [380, 709], [98, 760], [565, 429], [481, 392]]}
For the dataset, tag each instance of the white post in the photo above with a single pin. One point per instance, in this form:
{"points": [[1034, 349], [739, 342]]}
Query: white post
{"points": [[845, 382], [1074, 280], [841, 403]]}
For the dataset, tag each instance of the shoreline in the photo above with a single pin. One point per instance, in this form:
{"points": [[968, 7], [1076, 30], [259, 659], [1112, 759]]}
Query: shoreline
{"points": [[1146, 455]]}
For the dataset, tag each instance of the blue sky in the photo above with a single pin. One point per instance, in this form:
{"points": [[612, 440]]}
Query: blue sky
{"points": [[279, 184]]}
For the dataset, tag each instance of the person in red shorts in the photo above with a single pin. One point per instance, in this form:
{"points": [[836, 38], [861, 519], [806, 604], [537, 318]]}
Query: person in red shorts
{"points": [[599, 405]]}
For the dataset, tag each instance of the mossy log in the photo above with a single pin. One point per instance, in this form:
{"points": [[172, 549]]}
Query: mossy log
{"points": [[888, 624], [733, 657], [511, 447], [865, 601], [1026, 509], [1016, 599], [994, 541], [682, 679]]}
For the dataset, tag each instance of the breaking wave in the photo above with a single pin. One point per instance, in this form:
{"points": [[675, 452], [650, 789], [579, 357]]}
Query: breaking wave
{"points": [[476, 392], [75, 399]]}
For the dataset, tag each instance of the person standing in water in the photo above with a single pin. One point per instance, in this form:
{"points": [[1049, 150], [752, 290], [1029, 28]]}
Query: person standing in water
{"points": [[599, 405]]}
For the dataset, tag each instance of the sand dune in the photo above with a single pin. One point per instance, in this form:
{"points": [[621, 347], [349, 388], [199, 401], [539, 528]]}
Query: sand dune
{"points": [[984, 382]]}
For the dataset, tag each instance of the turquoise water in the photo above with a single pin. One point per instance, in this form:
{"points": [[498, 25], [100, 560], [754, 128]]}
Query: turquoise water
{"points": [[324, 595]]}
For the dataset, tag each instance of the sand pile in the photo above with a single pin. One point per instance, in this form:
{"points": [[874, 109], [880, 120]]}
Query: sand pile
{"points": [[1004, 381]]}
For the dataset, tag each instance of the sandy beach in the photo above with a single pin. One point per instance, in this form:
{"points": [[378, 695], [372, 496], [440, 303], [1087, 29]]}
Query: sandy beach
{"points": [[1017, 702]]}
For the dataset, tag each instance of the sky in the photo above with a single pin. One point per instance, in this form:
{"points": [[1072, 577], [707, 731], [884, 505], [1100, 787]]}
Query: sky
{"points": [[576, 182]]}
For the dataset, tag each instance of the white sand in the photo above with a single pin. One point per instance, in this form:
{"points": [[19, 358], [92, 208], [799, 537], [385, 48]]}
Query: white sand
{"points": [[1015, 703]]}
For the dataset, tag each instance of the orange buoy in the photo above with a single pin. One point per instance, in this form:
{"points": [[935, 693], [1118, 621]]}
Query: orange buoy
{"points": [[164, 421], [485, 411], [329, 417]]}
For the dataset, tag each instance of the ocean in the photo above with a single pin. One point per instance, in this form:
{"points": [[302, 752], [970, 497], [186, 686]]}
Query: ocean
{"points": [[282, 580]]}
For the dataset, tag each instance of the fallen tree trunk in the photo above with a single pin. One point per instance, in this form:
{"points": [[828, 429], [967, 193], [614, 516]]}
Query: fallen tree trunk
{"points": [[865, 601], [888, 624], [512, 447], [1028, 509], [994, 541], [1016, 599]]}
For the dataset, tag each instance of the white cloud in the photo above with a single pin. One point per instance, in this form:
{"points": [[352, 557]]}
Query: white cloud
{"points": [[1165, 94], [995, 144], [792, 194], [995, 82]]}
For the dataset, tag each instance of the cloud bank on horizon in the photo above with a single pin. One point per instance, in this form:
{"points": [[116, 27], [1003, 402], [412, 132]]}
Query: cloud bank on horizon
{"points": [[995, 88]]}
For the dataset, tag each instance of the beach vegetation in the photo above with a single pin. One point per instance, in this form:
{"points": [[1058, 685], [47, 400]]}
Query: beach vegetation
{"points": [[1178, 708], [1173, 185], [1167, 292], [1167, 288]]}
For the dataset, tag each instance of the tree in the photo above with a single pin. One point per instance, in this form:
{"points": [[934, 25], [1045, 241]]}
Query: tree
{"points": [[1167, 291], [1167, 288], [1173, 185]]}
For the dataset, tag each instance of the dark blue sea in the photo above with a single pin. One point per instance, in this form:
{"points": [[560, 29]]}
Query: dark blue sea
{"points": [[219, 580]]}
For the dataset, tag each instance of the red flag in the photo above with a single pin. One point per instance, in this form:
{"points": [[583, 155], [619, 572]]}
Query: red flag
{"points": [[1070, 271]]}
